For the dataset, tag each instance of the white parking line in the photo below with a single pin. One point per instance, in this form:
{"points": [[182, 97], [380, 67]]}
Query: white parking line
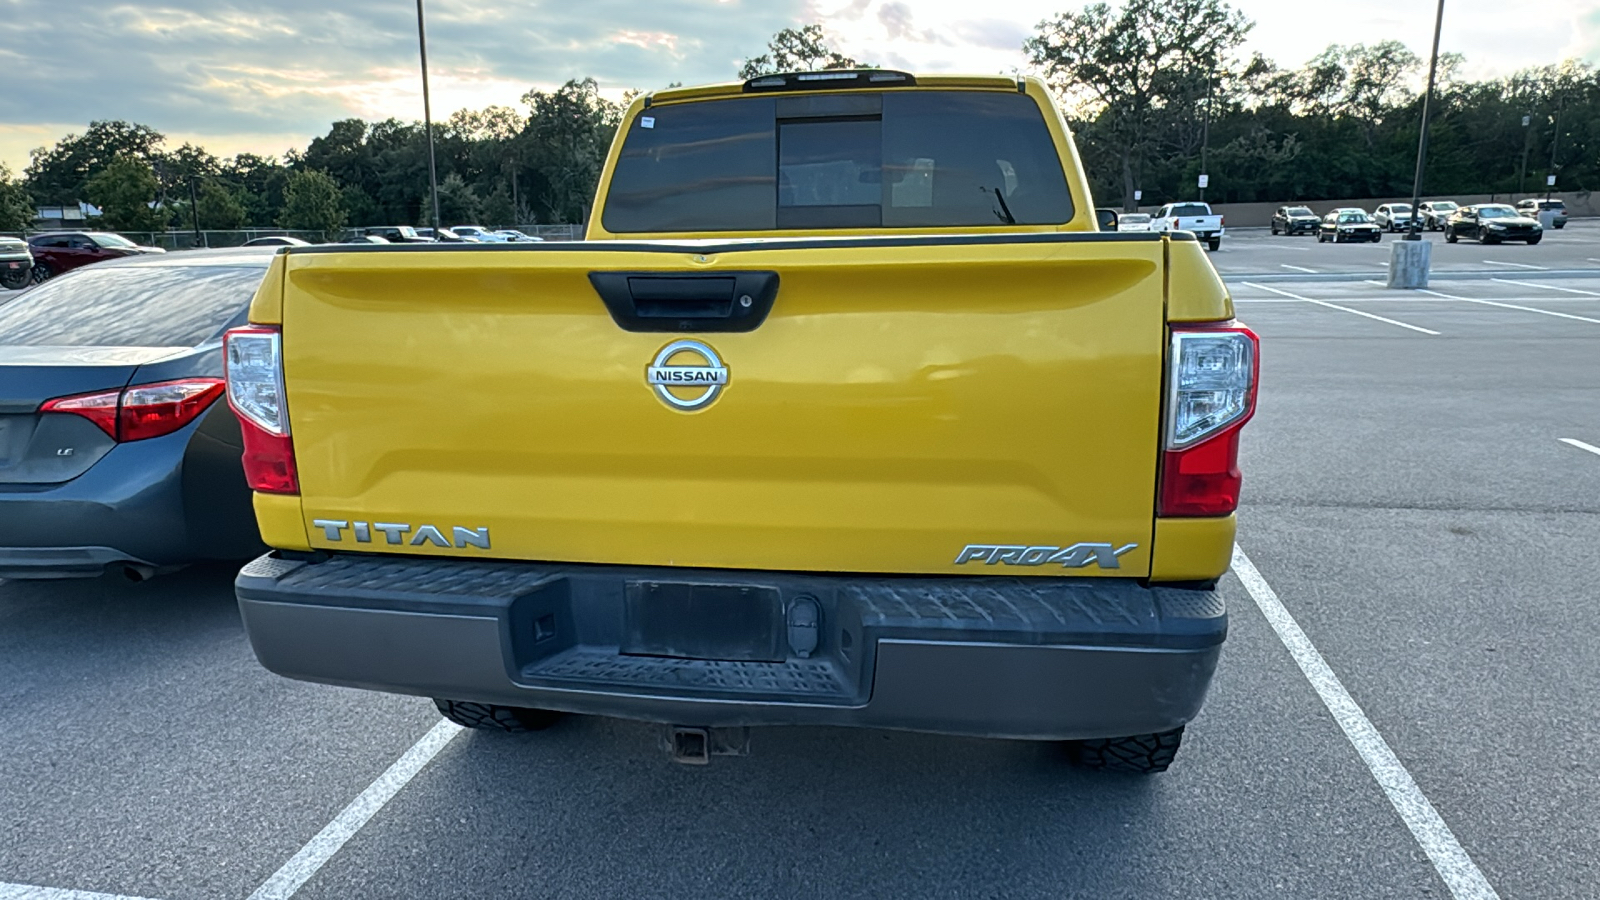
{"points": [[1548, 287], [1581, 445], [30, 892], [1347, 309], [1490, 262], [1545, 312], [315, 854], [1297, 268], [1460, 874]]}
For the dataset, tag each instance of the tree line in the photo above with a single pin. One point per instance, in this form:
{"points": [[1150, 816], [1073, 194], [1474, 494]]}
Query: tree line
{"points": [[1156, 91]]}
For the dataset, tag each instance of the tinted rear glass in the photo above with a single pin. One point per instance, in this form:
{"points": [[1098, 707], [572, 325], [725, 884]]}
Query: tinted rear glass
{"points": [[1191, 209], [143, 306], [896, 160]]}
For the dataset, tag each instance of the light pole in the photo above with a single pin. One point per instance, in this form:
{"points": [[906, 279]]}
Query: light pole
{"points": [[1555, 137], [427, 118], [1414, 233], [1527, 144], [1205, 135]]}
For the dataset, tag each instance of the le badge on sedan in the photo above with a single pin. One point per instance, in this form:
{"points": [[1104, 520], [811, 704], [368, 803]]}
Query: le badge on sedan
{"points": [[687, 375], [1074, 557], [395, 533]]}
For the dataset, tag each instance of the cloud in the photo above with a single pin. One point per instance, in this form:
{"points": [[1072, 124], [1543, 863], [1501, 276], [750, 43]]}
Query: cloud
{"points": [[241, 67]]}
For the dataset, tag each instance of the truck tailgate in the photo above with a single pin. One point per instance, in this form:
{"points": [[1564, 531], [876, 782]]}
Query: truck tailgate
{"points": [[904, 400]]}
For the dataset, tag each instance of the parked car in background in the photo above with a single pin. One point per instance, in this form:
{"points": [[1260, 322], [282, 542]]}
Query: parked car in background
{"points": [[445, 236], [276, 240], [1348, 225], [1393, 217], [1491, 223], [16, 263], [1190, 216], [368, 239], [55, 252], [1435, 212], [117, 453], [1294, 220], [396, 234], [477, 233], [512, 235], [1532, 206], [1133, 222]]}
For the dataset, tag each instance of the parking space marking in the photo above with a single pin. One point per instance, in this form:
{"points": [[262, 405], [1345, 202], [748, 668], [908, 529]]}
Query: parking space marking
{"points": [[1460, 874], [30, 892], [1581, 445], [1298, 268], [1490, 262], [1355, 312], [1531, 309], [315, 854], [1548, 287]]}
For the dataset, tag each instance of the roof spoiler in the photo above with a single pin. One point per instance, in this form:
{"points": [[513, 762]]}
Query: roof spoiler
{"points": [[832, 79]]}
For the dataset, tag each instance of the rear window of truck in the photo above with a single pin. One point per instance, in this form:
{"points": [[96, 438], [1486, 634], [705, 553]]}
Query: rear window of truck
{"points": [[912, 159]]}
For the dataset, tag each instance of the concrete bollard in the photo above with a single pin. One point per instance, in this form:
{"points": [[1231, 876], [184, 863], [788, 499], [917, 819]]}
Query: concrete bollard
{"points": [[1408, 263]]}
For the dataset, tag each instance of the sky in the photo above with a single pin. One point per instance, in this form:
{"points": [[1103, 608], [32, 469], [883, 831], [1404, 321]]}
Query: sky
{"points": [[243, 75]]}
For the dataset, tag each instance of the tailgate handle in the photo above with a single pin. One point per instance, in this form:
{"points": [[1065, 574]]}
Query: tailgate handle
{"points": [[661, 301]]}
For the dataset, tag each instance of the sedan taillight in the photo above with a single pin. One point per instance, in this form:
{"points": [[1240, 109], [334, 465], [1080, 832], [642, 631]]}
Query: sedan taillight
{"points": [[143, 410]]}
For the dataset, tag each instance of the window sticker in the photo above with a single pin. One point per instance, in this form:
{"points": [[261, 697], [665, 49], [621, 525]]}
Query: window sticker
{"points": [[647, 121]]}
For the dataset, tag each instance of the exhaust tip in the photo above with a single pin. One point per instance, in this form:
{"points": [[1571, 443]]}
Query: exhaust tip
{"points": [[136, 573]]}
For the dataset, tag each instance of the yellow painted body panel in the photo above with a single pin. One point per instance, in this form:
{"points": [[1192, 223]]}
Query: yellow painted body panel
{"points": [[282, 526], [1195, 292], [898, 404], [1192, 549]]}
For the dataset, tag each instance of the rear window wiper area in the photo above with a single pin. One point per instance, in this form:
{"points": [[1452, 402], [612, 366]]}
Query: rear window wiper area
{"points": [[1004, 212]]}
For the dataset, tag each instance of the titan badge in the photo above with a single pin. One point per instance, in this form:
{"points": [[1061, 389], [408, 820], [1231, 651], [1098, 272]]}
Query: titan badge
{"points": [[1076, 556], [395, 533], [703, 375]]}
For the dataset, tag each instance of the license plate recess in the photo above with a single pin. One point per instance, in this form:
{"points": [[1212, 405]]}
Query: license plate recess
{"points": [[703, 621]]}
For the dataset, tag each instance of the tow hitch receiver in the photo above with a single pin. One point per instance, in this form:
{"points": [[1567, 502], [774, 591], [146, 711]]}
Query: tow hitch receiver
{"points": [[694, 746]]}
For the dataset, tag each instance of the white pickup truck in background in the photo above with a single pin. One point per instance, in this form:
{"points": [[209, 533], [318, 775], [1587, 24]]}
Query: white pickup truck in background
{"points": [[1190, 216]]}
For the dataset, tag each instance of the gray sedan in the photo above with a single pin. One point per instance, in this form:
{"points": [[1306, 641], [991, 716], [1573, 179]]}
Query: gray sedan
{"points": [[117, 450]]}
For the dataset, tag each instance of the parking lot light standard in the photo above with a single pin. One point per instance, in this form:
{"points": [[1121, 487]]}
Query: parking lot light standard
{"points": [[1414, 233], [427, 118]]}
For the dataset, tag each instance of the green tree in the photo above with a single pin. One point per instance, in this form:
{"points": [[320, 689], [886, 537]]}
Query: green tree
{"points": [[312, 201], [220, 208], [798, 50], [16, 208], [61, 174], [458, 202], [1139, 73], [126, 191], [565, 144]]}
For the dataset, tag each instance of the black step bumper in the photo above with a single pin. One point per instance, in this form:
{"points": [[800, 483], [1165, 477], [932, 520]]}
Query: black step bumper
{"points": [[1045, 658]]}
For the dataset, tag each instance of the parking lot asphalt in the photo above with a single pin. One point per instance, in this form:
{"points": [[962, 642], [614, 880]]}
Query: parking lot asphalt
{"points": [[1256, 251], [1422, 494]]}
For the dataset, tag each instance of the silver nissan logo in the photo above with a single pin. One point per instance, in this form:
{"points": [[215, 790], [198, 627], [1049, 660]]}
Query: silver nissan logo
{"points": [[687, 375]]}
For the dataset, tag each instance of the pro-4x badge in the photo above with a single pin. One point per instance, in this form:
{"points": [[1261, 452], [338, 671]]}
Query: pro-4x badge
{"points": [[1074, 557]]}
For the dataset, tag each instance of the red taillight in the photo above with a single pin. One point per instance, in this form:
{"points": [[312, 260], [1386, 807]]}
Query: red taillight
{"points": [[101, 409], [1174, 223], [1222, 220], [143, 410], [268, 460], [1213, 370], [254, 363]]}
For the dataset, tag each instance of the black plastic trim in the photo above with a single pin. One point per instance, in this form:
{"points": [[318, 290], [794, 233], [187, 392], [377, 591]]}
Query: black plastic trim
{"points": [[679, 301], [671, 245]]}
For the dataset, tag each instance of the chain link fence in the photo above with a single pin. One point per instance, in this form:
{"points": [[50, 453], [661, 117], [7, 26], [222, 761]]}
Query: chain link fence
{"points": [[189, 240]]}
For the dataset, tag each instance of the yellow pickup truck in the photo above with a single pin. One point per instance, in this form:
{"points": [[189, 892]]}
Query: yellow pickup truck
{"points": [[844, 414]]}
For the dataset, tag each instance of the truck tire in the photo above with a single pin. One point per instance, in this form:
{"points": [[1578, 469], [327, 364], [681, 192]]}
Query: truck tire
{"points": [[489, 717], [1141, 754], [1215, 244]]}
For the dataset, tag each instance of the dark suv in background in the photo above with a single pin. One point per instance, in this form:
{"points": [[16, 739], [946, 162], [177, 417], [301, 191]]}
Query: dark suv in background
{"points": [[1294, 220], [55, 252]]}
